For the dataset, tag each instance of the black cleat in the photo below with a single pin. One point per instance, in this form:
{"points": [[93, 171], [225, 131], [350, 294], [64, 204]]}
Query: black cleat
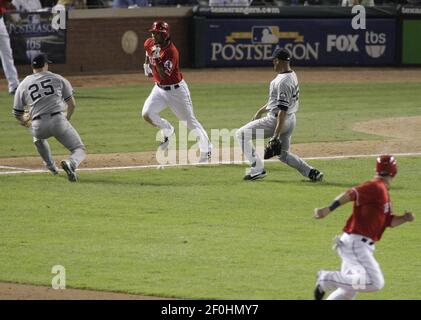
{"points": [[205, 157], [54, 172], [71, 174], [163, 145], [318, 293], [255, 174], [166, 140], [315, 175]]}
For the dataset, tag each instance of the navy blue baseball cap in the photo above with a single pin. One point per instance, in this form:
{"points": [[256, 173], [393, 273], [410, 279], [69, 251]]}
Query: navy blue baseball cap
{"points": [[39, 61], [281, 54]]}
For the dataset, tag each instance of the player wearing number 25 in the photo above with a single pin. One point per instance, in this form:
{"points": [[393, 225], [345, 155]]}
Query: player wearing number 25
{"points": [[48, 96]]}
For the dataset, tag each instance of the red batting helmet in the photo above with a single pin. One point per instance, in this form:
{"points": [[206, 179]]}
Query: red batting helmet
{"points": [[161, 26], [386, 166]]}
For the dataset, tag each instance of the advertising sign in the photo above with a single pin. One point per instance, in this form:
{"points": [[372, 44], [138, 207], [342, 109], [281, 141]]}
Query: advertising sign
{"points": [[33, 33], [411, 42], [250, 42]]}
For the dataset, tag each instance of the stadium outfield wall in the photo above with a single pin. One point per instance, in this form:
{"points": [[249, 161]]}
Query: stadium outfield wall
{"points": [[111, 40], [315, 35], [107, 40]]}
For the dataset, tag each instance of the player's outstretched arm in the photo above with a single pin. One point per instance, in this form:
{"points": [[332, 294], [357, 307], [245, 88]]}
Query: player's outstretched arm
{"points": [[279, 124], [147, 67], [71, 105], [19, 104], [343, 198], [399, 220], [24, 120]]}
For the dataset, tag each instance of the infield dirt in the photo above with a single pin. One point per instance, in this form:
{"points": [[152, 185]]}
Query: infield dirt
{"points": [[402, 135]]}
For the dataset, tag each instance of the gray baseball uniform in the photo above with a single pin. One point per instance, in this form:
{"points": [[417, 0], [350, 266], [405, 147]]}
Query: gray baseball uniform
{"points": [[284, 93], [46, 93]]}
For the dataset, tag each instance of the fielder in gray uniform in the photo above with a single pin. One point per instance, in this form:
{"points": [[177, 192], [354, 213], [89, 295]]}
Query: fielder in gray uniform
{"points": [[48, 96], [279, 122]]}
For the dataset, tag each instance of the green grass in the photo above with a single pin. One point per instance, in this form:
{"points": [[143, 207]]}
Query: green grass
{"points": [[197, 232], [108, 119], [202, 232]]}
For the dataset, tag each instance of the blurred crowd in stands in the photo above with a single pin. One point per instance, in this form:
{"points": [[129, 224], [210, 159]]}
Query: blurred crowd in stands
{"points": [[34, 5]]}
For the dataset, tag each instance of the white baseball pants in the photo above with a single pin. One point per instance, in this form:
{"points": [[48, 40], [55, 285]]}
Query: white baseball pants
{"points": [[6, 57], [360, 271], [247, 133], [179, 101]]}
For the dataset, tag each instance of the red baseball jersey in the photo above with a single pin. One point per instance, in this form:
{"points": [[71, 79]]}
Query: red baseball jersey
{"points": [[169, 59], [4, 4], [372, 211]]}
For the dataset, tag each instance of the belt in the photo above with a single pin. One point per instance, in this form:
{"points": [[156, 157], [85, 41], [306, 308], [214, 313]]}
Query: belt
{"points": [[362, 238], [39, 117], [367, 241], [168, 88], [275, 115]]}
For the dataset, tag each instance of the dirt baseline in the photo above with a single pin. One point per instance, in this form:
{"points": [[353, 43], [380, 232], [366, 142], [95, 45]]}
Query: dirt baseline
{"points": [[30, 292], [401, 135]]}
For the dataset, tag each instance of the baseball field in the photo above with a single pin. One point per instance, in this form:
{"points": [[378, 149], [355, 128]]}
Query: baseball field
{"points": [[128, 230]]}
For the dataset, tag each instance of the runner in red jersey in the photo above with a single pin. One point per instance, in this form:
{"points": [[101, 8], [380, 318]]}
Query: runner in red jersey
{"points": [[165, 70], [372, 209], [372, 214], [170, 90]]}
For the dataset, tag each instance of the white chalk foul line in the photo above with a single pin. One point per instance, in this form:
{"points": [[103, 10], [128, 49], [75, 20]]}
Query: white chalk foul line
{"points": [[14, 168], [157, 166], [409, 154], [5, 173]]}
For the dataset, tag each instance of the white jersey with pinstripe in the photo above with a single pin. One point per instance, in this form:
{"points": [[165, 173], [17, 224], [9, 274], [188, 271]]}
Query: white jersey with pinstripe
{"points": [[284, 93], [43, 92]]}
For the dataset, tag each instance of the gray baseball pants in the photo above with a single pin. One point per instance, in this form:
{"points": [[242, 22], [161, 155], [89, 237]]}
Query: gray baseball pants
{"points": [[59, 127], [247, 133]]}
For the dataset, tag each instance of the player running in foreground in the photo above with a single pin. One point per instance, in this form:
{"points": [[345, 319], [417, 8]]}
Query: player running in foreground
{"points": [[372, 213], [170, 90], [279, 123]]}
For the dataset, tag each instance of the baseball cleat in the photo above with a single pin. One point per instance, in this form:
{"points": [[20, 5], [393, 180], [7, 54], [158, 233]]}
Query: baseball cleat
{"points": [[164, 143], [319, 293], [255, 174], [205, 157], [54, 171], [71, 174], [315, 175], [166, 140]]}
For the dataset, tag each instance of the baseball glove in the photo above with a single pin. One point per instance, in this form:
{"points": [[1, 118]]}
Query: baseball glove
{"points": [[273, 148], [26, 120]]}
